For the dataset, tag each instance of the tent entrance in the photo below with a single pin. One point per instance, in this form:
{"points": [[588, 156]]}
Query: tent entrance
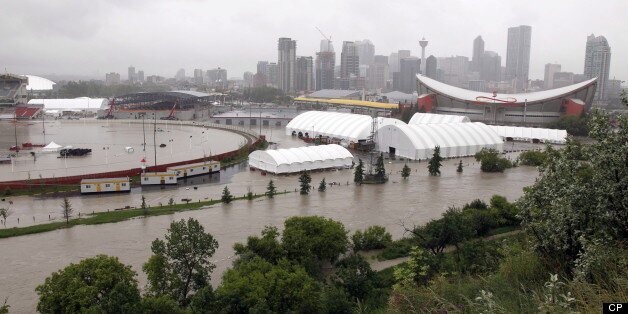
{"points": [[391, 150]]}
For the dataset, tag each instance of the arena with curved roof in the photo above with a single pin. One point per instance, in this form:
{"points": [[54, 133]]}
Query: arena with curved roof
{"points": [[298, 159], [525, 108]]}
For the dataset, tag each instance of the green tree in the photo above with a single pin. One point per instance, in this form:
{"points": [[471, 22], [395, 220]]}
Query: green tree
{"points": [[4, 309], [532, 158], [314, 237], [180, 265], [5, 213], [226, 195], [380, 170], [96, 285], [171, 201], [437, 234], [144, 206], [459, 169], [267, 246], [258, 286], [159, 305], [322, 186], [270, 189], [576, 211], [249, 194], [66, 210], [358, 176], [435, 162], [354, 275], [203, 301], [574, 125], [405, 172], [304, 180], [373, 238], [490, 161]]}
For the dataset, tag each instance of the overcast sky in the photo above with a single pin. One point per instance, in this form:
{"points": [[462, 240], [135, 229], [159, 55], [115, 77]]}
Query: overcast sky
{"points": [[90, 38]]}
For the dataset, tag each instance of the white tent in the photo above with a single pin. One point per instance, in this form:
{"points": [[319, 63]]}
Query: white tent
{"points": [[417, 141], [516, 133], [52, 147], [73, 104], [345, 126], [427, 118], [297, 159]]}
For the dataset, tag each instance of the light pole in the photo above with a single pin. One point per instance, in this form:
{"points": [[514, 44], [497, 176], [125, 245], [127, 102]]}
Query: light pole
{"points": [[170, 141]]}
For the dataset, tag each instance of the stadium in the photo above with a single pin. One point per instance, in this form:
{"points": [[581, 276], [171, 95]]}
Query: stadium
{"points": [[173, 105], [534, 108]]}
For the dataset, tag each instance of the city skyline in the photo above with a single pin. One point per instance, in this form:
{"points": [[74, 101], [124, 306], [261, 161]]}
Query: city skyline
{"points": [[100, 46]]}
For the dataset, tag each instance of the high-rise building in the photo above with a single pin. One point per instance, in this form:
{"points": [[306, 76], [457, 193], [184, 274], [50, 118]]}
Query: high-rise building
{"points": [[304, 74], [217, 78], [247, 77], [431, 67], [491, 70], [286, 61], [273, 74], [261, 77], [131, 75], [112, 78], [349, 60], [140, 76], [478, 54], [518, 56], [198, 76], [326, 46], [410, 67], [366, 51], [180, 76], [393, 62], [325, 64], [597, 62], [378, 73], [548, 78], [455, 70], [562, 79]]}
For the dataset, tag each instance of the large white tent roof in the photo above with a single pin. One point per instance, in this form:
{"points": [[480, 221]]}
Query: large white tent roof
{"points": [[81, 103], [417, 141], [301, 158], [428, 118], [39, 83], [347, 126], [531, 134], [469, 95]]}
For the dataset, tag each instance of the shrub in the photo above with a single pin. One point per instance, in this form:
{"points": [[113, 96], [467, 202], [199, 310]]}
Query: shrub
{"points": [[532, 158], [477, 257], [476, 203], [491, 162], [374, 237], [481, 220], [572, 124]]}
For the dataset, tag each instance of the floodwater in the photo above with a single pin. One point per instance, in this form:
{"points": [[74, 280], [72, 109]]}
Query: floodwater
{"points": [[108, 141], [27, 260]]}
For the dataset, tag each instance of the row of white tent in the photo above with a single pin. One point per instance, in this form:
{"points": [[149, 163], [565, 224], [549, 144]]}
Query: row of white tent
{"points": [[298, 159]]}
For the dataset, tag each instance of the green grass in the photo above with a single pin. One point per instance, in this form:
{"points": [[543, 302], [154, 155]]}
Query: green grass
{"points": [[41, 190], [114, 216]]}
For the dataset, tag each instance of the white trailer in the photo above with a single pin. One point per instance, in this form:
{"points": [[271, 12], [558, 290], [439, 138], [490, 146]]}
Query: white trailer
{"points": [[158, 178], [105, 185], [196, 169]]}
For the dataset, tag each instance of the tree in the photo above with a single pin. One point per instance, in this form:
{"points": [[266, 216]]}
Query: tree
{"points": [[4, 213], [435, 162], [490, 160], [380, 170], [144, 206], [405, 172], [96, 285], [322, 186], [532, 158], [258, 286], [171, 201], [574, 125], [459, 169], [576, 210], [4, 309], [66, 210], [203, 301], [180, 265], [305, 180], [358, 176], [437, 234], [267, 246], [159, 305], [270, 189], [314, 237], [226, 196], [249, 194], [354, 275], [373, 238]]}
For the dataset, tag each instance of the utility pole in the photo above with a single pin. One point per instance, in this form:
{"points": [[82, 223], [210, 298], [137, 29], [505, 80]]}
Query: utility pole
{"points": [[155, 136], [144, 131]]}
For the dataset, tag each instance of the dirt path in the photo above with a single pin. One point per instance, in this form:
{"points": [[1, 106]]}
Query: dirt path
{"points": [[381, 265]]}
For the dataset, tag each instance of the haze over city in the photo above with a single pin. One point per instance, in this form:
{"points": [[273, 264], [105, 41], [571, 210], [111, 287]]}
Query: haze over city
{"points": [[90, 38]]}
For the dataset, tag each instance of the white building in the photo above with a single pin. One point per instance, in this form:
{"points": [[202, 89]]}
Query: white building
{"points": [[417, 141], [196, 169], [73, 104], [105, 185], [298, 159], [430, 118], [158, 178], [535, 135]]}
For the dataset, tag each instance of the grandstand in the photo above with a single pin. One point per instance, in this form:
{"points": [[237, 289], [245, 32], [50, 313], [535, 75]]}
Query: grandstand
{"points": [[13, 98], [189, 105]]}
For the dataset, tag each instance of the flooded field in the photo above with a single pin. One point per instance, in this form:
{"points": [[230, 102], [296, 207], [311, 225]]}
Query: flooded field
{"points": [[28, 260]]}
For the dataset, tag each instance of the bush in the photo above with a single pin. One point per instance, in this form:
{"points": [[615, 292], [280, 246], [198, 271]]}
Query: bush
{"points": [[572, 124], [481, 220], [374, 237], [507, 211], [476, 203], [491, 162], [477, 257], [532, 158], [396, 249]]}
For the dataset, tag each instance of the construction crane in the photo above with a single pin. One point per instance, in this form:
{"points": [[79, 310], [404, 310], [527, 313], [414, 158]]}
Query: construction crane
{"points": [[171, 115], [324, 36], [110, 111]]}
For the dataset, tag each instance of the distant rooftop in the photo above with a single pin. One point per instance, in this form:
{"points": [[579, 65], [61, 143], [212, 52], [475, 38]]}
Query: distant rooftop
{"points": [[333, 93]]}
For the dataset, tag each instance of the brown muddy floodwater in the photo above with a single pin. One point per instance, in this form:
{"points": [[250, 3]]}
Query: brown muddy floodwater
{"points": [[27, 260]]}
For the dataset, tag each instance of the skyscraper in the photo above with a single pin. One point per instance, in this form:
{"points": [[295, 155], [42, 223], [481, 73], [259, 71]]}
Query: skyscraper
{"points": [[286, 61], [491, 70], [325, 64], [431, 67], [180, 76], [410, 67], [349, 60], [548, 78], [478, 53], [112, 78], [326, 46], [518, 56], [366, 51], [140, 76], [378, 73], [597, 62], [131, 76], [304, 74], [273, 74], [198, 76]]}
